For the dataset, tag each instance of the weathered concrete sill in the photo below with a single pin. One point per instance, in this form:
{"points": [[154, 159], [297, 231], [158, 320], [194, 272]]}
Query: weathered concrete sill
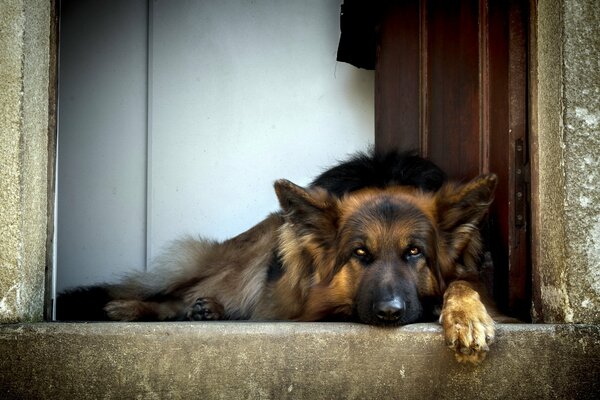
{"points": [[235, 360]]}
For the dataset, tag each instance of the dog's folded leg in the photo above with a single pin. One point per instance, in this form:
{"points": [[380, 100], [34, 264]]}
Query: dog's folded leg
{"points": [[140, 310], [468, 328]]}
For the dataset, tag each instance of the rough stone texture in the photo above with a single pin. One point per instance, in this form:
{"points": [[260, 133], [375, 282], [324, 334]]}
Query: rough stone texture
{"points": [[581, 113], [291, 360], [568, 162], [547, 155], [24, 44]]}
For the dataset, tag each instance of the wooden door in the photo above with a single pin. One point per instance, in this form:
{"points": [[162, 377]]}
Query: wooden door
{"points": [[451, 83]]}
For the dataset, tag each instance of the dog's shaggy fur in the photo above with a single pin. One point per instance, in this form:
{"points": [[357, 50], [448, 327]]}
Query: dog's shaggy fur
{"points": [[378, 239]]}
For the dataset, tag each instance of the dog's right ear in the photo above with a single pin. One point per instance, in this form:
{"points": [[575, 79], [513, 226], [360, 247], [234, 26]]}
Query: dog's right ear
{"points": [[309, 208]]}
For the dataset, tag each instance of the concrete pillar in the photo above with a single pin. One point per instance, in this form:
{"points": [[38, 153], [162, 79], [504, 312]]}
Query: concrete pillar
{"points": [[566, 162], [24, 71]]}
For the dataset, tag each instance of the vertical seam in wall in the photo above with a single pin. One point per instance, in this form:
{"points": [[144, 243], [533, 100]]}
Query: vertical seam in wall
{"points": [[537, 311], [484, 90], [568, 311], [21, 172], [423, 81], [149, 92], [53, 164]]}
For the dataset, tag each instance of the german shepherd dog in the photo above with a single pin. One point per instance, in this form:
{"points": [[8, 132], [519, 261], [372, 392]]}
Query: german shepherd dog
{"points": [[379, 239]]}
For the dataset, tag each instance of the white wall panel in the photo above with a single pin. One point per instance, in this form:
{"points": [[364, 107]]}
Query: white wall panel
{"points": [[244, 93], [101, 184], [239, 93]]}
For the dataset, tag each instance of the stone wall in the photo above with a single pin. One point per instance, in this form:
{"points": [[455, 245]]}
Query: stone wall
{"points": [[581, 113], [566, 162], [24, 71]]}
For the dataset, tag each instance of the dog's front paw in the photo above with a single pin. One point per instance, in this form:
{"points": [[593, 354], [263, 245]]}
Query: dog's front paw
{"points": [[468, 328], [205, 309]]}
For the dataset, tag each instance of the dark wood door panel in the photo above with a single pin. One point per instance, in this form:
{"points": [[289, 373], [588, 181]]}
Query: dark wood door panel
{"points": [[397, 78], [451, 84], [453, 137]]}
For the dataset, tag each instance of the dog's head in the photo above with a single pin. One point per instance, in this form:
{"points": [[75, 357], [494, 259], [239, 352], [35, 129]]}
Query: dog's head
{"points": [[384, 255]]}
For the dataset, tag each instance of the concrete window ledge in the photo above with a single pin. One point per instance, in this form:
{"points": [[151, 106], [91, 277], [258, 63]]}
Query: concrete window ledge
{"points": [[239, 360]]}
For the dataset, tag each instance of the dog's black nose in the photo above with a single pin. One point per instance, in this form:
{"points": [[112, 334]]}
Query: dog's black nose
{"points": [[389, 310]]}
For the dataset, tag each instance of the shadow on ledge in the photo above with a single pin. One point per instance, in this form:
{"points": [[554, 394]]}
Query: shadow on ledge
{"points": [[250, 360]]}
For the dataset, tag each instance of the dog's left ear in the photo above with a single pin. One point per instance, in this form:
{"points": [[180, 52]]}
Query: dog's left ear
{"points": [[460, 209], [308, 208]]}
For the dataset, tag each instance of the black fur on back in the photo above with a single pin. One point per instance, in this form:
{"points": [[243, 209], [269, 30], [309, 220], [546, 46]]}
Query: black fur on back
{"points": [[376, 169], [82, 304]]}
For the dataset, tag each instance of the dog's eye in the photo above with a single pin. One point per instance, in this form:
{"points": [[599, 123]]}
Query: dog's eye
{"points": [[414, 252], [362, 254]]}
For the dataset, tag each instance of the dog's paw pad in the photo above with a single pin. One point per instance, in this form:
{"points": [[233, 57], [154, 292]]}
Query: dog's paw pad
{"points": [[205, 309]]}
